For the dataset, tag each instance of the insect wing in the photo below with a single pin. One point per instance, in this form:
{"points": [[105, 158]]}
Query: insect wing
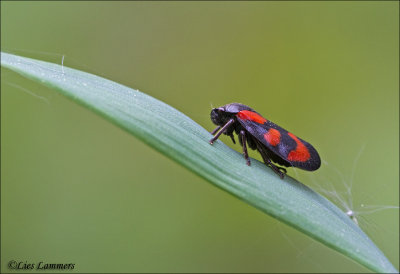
{"points": [[288, 147]]}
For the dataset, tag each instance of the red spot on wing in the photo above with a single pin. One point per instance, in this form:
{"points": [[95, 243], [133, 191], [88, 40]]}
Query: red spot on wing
{"points": [[301, 153], [252, 116], [273, 137]]}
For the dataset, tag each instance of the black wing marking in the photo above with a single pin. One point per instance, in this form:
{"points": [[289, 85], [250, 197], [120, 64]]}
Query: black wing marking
{"points": [[279, 152]]}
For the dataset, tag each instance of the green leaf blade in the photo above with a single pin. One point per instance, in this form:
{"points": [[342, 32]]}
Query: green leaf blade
{"points": [[180, 138]]}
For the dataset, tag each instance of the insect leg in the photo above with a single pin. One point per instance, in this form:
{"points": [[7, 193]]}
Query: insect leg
{"points": [[223, 129], [268, 162], [246, 155], [233, 138], [276, 168], [283, 169], [215, 130]]}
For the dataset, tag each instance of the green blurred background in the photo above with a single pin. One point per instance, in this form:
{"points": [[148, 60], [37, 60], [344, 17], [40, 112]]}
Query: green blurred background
{"points": [[77, 189]]}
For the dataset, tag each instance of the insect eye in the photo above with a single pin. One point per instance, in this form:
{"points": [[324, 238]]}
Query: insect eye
{"points": [[214, 112], [216, 115]]}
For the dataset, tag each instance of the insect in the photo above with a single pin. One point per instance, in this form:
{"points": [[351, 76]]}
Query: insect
{"points": [[274, 143]]}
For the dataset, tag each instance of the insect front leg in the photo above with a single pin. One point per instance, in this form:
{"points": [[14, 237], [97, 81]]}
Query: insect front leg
{"points": [[245, 154], [215, 130], [223, 129]]}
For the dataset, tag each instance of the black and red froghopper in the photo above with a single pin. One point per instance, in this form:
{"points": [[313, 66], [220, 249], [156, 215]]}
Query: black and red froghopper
{"points": [[273, 142]]}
